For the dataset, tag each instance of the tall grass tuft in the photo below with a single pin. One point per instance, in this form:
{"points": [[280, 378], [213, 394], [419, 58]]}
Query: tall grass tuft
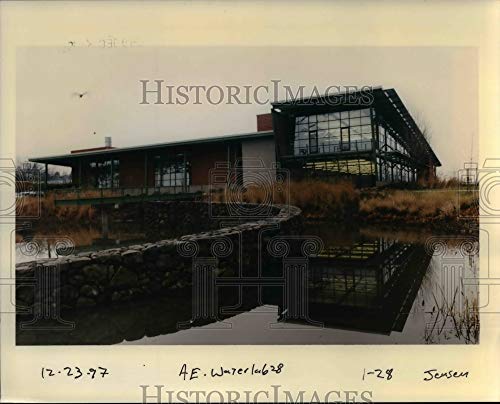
{"points": [[439, 183], [458, 318], [317, 199], [442, 205], [45, 208]]}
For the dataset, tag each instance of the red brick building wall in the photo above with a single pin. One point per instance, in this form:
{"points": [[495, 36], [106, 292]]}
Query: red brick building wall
{"points": [[203, 159], [132, 170], [264, 122]]}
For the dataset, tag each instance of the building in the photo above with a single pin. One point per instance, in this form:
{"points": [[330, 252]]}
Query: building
{"points": [[370, 286], [368, 136]]}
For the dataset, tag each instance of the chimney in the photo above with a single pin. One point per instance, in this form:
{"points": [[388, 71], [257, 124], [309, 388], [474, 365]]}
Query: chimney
{"points": [[264, 122], [107, 141]]}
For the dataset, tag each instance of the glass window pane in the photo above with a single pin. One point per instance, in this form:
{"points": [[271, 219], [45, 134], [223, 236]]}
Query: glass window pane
{"points": [[334, 124], [365, 112], [356, 130], [366, 129], [322, 125], [365, 121], [355, 121]]}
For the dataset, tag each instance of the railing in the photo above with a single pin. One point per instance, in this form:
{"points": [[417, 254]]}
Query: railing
{"points": [[82, 193], [340, 147]]}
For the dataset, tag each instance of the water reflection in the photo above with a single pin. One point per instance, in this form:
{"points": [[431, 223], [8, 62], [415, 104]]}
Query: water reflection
{"points": [[40, 245], [360, 289], [368, 287]]}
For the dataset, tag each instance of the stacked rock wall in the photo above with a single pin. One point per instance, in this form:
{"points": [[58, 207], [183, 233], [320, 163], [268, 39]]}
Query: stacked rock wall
{"points": [[233, 237]]}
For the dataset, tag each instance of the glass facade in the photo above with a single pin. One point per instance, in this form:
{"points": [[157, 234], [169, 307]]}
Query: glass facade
{"points": [[342, 166], [333, 132], [359, 130], [393, 166], [105, 174], [388, 140], [395, 172], [172, 171]]}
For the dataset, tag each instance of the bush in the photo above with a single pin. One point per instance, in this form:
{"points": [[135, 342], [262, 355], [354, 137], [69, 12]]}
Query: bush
{"points": [[418, 206], [44, 206], [317, 199]]}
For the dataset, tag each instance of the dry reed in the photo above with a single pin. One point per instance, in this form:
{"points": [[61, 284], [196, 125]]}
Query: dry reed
{"points": [[317, 199]]}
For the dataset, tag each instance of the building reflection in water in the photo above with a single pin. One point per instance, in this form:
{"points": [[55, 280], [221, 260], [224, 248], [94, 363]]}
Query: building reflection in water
{"points": [[370, 286]]}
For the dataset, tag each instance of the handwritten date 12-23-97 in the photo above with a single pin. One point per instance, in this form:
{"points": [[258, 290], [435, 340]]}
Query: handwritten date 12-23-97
{"points": [[75, 372], [194, 373]]}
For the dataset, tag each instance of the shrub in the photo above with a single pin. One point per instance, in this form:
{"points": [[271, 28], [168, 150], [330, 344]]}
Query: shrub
{"points": [[44, 206], [317, 199]]}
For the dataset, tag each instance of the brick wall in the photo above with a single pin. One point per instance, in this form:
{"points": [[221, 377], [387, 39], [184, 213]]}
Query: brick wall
{"points": [[264, 122]]}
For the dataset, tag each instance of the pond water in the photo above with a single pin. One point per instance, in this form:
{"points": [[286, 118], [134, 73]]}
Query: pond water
{"points": [[33, 245], [367, 286]]}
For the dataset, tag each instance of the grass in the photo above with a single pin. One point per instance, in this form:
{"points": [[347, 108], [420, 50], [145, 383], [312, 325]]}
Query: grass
{"points": [[342, 201], [458, 318], [438, 183], [45, 209], [337, 201], [30, 206], [78, 235], [418, 207], [317, 199]]}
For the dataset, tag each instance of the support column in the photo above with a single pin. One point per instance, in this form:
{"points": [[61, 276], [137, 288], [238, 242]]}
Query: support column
{"points": [[185, 173], [228, 164], [375, 143], [146, 171], [112, 171], [80, 173], [104, 223], [46, 176]]}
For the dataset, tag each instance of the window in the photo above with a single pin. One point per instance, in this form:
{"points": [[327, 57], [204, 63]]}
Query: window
{"points": [[322, 133], [394, 142], [345, 142], [104, 173], [172, 171], [116, 173], [313, 141]]}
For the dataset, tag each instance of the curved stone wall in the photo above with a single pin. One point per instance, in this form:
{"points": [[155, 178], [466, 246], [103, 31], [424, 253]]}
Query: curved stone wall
{"points": [[232, 238]]}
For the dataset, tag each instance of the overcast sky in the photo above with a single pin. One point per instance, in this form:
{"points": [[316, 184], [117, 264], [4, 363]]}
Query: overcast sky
{"points": [[438, 86]]}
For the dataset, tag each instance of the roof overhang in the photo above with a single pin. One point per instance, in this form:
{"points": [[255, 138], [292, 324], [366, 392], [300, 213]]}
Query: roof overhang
{"points": [[67, 159]]}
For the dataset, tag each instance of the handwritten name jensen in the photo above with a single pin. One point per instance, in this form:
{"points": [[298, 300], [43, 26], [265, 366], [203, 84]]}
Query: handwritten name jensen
{"points": [[434, 374]]}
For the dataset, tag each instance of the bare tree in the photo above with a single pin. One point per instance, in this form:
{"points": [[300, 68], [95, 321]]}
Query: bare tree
{"points": [[424, 127], [27, 170]]}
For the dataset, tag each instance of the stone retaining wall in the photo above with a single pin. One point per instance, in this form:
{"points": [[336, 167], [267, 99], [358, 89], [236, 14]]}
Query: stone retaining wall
{"points": [[229, 236]]}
